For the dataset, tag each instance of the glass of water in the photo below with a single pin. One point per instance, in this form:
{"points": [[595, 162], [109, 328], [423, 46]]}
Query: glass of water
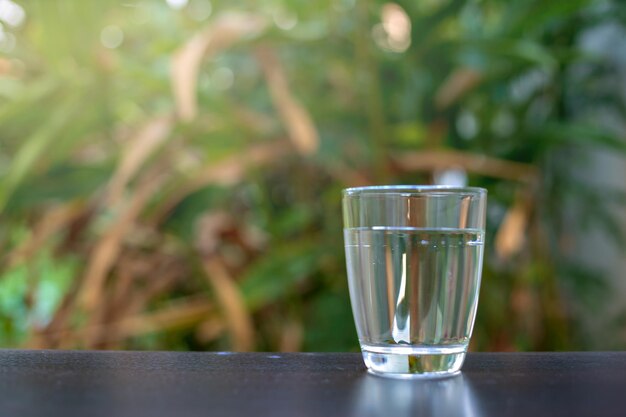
{"points": [[414, 258]]}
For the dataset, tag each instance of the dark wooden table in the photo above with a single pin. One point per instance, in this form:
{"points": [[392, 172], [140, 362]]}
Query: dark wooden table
{"points": [[61, 383]]}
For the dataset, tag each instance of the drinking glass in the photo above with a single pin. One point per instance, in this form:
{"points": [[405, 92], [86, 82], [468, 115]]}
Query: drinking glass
{"points": [[414, 259]]}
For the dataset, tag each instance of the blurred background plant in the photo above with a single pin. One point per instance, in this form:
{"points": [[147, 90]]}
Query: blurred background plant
{"points": [[170, 171]]}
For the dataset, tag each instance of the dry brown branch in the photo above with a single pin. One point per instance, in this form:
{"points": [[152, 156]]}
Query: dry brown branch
{"points": [[348, 176], [178, 315], [136, 281], [479, 164], [436, 133], [181, 314], [53, 221], [291, 337], [226, 172], [5, 67], [210, 329], [156, 284], [254, 121], [296, 118], [512, 233], [122, 288], [232, 304], [152, 135], [115, 305], [456, 85], [223, 32], [48, 337], [108, 247]]}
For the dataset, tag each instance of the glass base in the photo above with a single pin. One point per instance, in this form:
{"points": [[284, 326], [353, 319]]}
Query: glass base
{"points": [[414, 362]]}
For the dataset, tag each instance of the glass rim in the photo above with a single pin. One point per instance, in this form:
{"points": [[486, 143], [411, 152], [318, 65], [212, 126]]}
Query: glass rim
{"points": [[413, 189]]}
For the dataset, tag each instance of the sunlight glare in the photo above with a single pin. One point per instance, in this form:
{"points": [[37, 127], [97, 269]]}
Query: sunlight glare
{"points": [[11, 13]]}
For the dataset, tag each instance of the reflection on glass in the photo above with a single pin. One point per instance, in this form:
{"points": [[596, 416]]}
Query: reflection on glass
{"points": [[376, 396]]}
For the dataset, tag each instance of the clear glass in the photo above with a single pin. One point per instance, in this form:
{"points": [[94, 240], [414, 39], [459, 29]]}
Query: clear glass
{"points": [[414, 259]]}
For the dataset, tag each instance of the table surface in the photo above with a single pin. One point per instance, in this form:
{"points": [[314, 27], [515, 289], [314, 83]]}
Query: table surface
{"points": [[77, 383]]}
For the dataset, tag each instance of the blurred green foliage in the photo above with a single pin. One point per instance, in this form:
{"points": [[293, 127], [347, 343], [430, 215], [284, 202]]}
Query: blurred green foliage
{"points": [[110, 245]]}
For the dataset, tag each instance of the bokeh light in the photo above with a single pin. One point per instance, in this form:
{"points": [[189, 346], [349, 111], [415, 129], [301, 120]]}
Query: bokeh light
{"points": [[111, 37]]}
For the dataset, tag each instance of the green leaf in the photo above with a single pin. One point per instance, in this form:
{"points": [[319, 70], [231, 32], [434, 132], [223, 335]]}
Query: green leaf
{"points": [[587, 134], [32, 149], [60, 183], [329, 324], [523, 50], [409, 134], [525, 16], [292, 221], [279, 272], [588, 283]]}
